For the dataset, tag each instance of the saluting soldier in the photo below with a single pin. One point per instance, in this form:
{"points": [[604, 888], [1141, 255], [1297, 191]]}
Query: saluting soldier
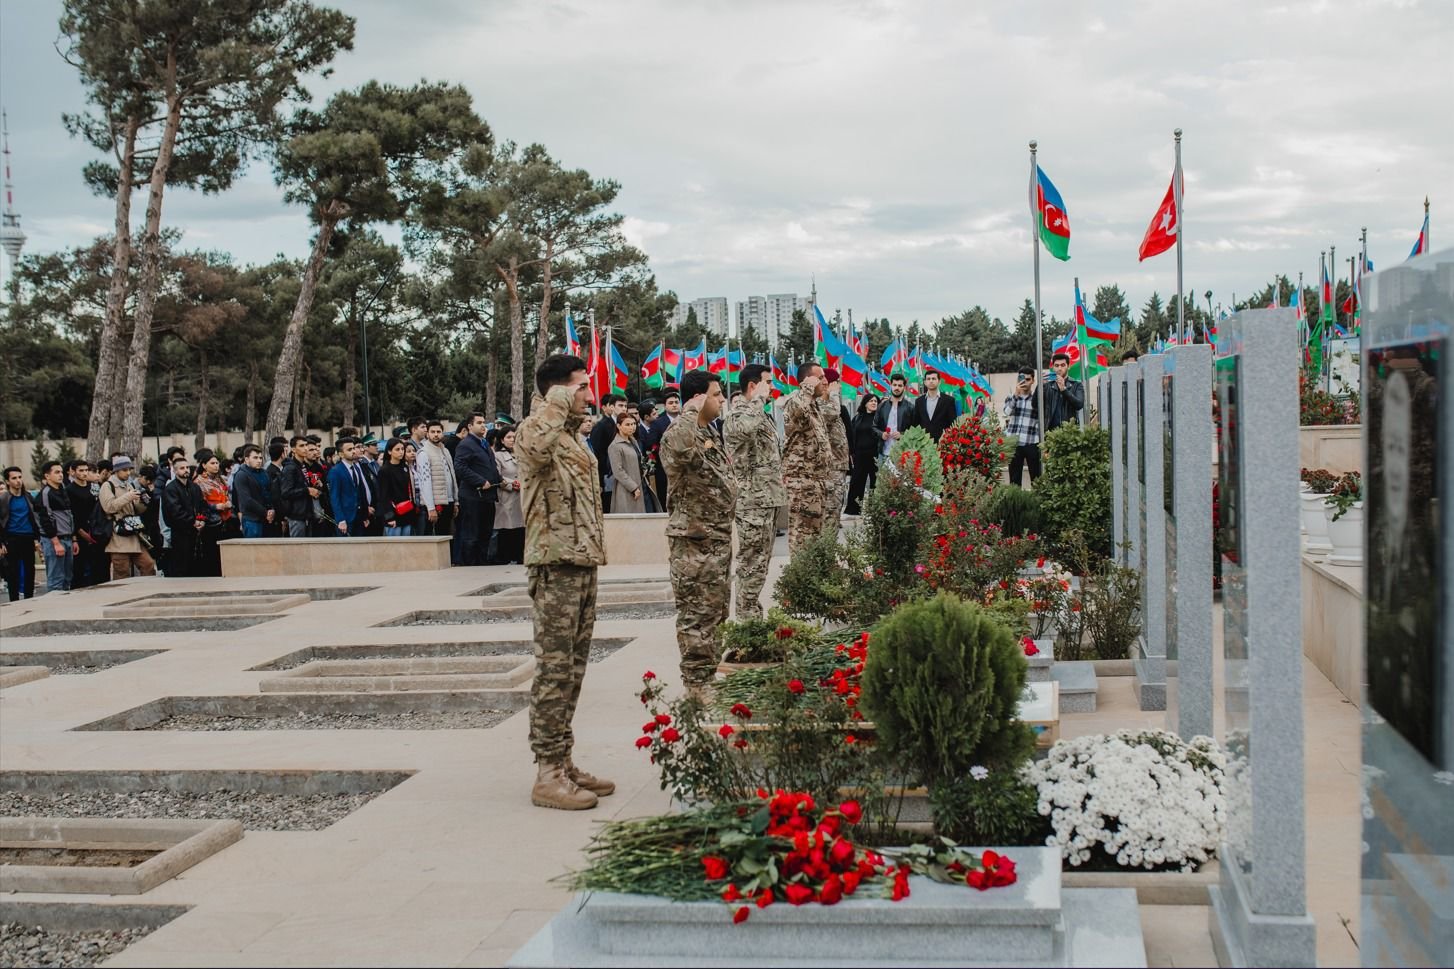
{"points": [[806, 455], [835, 471], [699, 528], [564, 545], [757, 467]]}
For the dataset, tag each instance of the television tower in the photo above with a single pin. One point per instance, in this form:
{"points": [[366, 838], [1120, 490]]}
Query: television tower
{"points": [[12, 240]]}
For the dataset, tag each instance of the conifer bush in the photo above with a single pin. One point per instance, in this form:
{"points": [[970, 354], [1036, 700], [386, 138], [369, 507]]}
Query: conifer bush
{"points": [[1015, 510], [916, 458], [942, 684]]}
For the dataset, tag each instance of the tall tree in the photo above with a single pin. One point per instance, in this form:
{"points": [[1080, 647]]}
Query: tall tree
{"points": [[1152, 322], [363, 158], [1110, 304], [217, 70]]}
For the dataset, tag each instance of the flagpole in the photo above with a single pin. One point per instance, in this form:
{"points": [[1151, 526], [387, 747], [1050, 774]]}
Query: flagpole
{"points": [[1180, 231], [1084, 365], [1430, 231], [566, 318], [1035, 244], [1328, 337]]}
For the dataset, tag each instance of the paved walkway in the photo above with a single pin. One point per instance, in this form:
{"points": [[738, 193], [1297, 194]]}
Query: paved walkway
{"points": [[454, 866]]}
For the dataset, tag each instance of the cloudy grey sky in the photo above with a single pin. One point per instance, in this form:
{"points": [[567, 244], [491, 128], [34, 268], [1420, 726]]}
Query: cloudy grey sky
{"points": [[882, 145]]}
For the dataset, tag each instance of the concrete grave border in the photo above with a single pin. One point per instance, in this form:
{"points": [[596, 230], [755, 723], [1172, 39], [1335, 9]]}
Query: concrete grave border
{"points": [[16, 675], [188, 842], [407, 674], [208, 604], [53, 658], [265, 706]]}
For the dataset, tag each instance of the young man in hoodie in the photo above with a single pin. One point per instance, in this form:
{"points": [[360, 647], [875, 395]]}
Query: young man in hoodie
{"points": [[252, 494], [58, 528], [19, 535]]}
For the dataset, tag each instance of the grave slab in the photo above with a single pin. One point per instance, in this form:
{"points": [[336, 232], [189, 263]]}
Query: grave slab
{"points": [[74, 661], [16, 675], [282, 707], [1077, 686], [1148, 520], [213, 604], [182, 844], [1041, 662], [392, 675]]}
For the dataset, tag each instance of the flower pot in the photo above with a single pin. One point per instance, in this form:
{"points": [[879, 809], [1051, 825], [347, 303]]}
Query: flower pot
{"points": [[1346, 534], [1315, 522]]}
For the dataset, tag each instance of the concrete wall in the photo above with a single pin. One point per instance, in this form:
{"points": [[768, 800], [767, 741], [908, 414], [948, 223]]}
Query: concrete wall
{"points": [[309, 556], [1333, 623], [1339, 448]]}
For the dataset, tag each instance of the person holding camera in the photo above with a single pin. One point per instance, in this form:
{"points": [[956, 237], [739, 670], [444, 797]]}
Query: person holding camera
{"points": [[1022, 419], [124, 504]]}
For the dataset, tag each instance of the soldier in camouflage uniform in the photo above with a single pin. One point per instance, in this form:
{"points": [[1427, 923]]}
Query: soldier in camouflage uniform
{"points": [[757, 467], [699, 528], [835, 482], [806, 454], [564, 544]]}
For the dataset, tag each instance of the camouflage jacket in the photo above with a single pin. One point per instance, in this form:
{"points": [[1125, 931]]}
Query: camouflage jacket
{"points": [[832, 413], [561, 497], [757, 460], [703, 494], [806, 452]]}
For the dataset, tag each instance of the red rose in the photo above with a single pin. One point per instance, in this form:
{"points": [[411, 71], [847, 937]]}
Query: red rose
{"points": [[643, 741], [740, 915], [725, 730], [663, 719], [852, 812], [648, 675], [850, 881], [650, 726], [841, 852], [798, 894], [785, 632], [731, 893], [765, 898], [742, 711], [977, 879], [716, 867], [832, 891], [795, 686], [740, 743], [670, 735], [901, 886]]}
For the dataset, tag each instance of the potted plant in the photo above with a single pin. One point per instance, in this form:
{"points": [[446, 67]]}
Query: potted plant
{"points": [[1344, 508], [1320, 482]]}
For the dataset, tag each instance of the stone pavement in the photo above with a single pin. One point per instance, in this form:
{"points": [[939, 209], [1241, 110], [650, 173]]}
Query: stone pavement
{"points": [[454, 866]]}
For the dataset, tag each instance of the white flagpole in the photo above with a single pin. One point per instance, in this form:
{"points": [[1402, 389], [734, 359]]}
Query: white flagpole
{"points": [[1180, 231], [1036, 218]]}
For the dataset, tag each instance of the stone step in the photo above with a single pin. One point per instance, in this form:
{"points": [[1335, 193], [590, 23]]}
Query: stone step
{"points": [[1078, 686]]}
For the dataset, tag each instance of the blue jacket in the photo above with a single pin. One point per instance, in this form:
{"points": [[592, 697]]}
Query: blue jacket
{"points": [[474, 464], [344, 497]]}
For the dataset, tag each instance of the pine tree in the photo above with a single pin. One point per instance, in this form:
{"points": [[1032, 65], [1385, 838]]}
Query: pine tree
{"points": [[39, 456]]}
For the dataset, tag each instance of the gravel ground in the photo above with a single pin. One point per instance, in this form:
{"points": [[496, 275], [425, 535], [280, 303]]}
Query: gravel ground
{"points": [[76, 670], [663, 611], [256, 811], [420, 720], [78, 857], [24, 945]]}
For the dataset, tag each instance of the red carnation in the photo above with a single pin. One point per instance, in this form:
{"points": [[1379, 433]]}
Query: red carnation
{"points": [[795, 686], [765, 898], [742, 711], [832, 890], [725, 730], [798, 894], [643, 741], [670, 735], [716, 867], [663, 719], [852, 812], [648, 675], [740, 915]]}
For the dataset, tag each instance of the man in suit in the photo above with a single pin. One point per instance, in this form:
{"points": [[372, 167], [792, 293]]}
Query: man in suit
{"points": [[349, 492], [479, 477], [671, 408], [895, 413], [934, 412]]}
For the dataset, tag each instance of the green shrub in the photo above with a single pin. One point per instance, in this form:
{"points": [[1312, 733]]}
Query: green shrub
{"points": [[765, 639], [817, 582], [1110, 601], [995, 808], [895, 519], [1075, 490], [927, 472], [942, 682], [1016, 510]]}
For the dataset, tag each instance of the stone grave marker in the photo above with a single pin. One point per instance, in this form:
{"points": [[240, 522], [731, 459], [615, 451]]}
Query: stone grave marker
{"points": [[1407, 908], [1130, 373], [1148, 521], [1111, 420], [1259, 908], [1186, 388]]}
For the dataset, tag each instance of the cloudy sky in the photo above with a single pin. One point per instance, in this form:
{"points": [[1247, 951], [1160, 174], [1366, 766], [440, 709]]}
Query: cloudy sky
{"points": [[882, 146]]}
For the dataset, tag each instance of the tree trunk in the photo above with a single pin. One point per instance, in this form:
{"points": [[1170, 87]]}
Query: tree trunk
{"points": [[542, 338], [517, 337], [151, 265], [492, 378], [289, 357], [300, 413], [249, 413], [350, 371], [110, 349], [118, 397], [200, 441]]}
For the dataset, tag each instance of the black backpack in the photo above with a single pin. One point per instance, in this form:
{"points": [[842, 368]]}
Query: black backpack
{"points": [[100, 525]]}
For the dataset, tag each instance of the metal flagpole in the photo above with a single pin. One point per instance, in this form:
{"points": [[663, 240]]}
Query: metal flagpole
{"points": [[1084, 356], [1328, 336], [1036, 218], [1180, 227], [1429, 234]]}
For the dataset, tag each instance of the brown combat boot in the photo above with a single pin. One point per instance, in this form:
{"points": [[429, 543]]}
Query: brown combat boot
{"points": [[554, 789], [590, 782]]}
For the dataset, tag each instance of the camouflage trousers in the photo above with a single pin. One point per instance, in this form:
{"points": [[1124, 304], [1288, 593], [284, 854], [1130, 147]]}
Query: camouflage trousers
{"points": [[700, 580], [756, 530], [806, 506], [564, 598], [836, 490]]}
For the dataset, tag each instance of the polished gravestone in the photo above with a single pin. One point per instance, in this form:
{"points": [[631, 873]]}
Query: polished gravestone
{"points": [[1186, 389], [1407, 911], [1259, 909], [1148, 521], [1109, 389]]}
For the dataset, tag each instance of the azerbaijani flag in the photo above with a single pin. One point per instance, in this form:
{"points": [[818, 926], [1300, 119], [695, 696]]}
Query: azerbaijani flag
{"points": [[672, 360], [695, 359], [717, 361], [1325, 294], [1091, 329], [879, 383], [1421, 244], [1051, 216], [651, 369], [1296, 304], [827, 347], [572, 342], [783, 382], [596, 369], [620, 374]]}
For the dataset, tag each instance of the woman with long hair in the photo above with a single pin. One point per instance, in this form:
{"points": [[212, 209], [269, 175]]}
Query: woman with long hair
{"points": [[864, 443], [396, 491], [216, 513], [421, 509], [629, 494], [509, 515]]}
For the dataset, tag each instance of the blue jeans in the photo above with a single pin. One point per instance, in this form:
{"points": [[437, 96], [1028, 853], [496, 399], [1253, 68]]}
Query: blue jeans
{"points": [[252, 529], [58, 568], [398, 531]]}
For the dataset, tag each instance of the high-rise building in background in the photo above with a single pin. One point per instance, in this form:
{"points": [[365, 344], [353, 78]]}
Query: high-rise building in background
{"points": [[770, 316], [711, 314]]}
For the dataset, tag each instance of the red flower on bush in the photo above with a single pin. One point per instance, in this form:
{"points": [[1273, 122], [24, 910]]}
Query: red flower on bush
{"points": [[725, 730], [643, 742], [741, 710], [670, 735], [663, 719], [785, 632]]}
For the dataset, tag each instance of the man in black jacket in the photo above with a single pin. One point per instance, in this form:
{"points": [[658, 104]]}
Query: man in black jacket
{"points": [[671, 407], [478, 476], [1063, 397], [295, 495], [182, 511], [895, 413], [933, 411], [91, 565]]}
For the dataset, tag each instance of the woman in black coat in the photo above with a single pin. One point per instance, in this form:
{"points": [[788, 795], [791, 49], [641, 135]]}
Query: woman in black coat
{"points": [[396, 492], [864, 443]]}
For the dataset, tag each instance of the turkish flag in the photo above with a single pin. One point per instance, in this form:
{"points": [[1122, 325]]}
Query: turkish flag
{"points": [[1165, 224]]}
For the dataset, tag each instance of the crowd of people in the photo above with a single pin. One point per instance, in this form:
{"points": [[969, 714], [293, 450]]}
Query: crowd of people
{"points": [[111, 519]]}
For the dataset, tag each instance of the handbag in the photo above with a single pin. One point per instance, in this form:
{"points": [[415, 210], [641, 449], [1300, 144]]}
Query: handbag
{"points": [[405, 507]]}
